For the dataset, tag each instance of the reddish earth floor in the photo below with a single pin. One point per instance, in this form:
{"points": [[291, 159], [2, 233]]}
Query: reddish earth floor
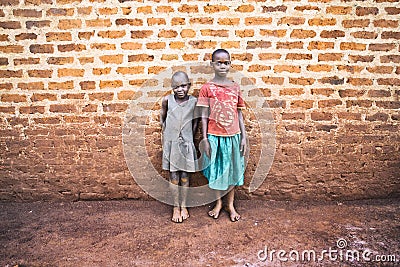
{"points": [[140, 233]]}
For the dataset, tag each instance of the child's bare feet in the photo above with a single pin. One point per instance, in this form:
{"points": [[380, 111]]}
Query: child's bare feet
{"points": [[176, 215], [216, 210], [233, 215], [184, 213]]}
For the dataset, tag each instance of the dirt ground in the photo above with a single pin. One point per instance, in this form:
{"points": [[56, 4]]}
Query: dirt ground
{"points": [[140, 233]]}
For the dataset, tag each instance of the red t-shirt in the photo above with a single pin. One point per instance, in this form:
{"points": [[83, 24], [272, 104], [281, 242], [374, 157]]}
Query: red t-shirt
{"points": [[224, 102]]}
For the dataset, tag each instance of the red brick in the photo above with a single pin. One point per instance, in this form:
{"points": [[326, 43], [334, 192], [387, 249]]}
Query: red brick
{"points": [[381, 47], [58, 36], [31, 86], [351, 93], [228, 21], [290, 45], [269, 56], [365, 11], [156, 45], [88, 85], [110, 84], [257, 21], [390, 58], [258, 67], [291, 91], [60, 12], [321, 116], [25, 36], [10, 25], [115, 107], [273, 33], [293, 116], [322, 22], [359, 81], [13, 98], [356, 58], [319, 68], [61, 85], [306, 104], [379, 93], [9, 110], [48, 120], [357, 23], [101, 96], [381, 69], [201, 21], [360, 103], [364, 35], [392, 10], [188, 8], [140, 57], [130, 70], [287, 68], [156, 21], [292, 21], [389, 81], [27, 13], [44, 48], [73, 96], [98, 23], [384, 23], [307, 8], [178, 21], [67, 24], [390, 35], [352, 46], [10, 73], [130, 22], [273, 80], [332, 34], [215, 8], [71, 72], [63, 108], [322, 91], [32, 109], [244, 33], [297, 56], [302, 81], [11, 49], [318, 45], [339, 10], [258, 44], [37, 24], [217, 33], [329, 103], [203, 44], [349, 116], [267, 9], [45, 96], [388, 104], [40, 73]]}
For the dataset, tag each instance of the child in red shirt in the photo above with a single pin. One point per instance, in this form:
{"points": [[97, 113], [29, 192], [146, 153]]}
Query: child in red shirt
{"points": [[223, 133]]}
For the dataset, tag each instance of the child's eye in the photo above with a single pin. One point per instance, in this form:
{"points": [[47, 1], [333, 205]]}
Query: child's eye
{"points": [[226, 63]]}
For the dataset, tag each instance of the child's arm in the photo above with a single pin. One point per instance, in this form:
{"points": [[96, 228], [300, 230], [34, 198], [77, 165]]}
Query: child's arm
{"points": [[204, 129], [163, 111], [243, 145]]}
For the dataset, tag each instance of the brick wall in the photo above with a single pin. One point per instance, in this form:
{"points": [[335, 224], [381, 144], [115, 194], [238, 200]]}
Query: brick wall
{"points": [[329, 71]]}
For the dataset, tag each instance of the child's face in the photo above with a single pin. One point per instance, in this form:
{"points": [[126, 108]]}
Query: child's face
{"points": [[180, 86], [221, 64]]}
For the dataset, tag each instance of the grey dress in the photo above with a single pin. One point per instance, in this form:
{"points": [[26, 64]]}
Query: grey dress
{"points": [[179, 153]]}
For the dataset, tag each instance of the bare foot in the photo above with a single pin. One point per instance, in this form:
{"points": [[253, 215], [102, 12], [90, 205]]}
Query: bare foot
{"points": [[233, 215], [184, 213], [176, 215], [215, 211]]}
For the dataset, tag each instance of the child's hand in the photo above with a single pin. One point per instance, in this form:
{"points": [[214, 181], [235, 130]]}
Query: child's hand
{"points": [[243, 146], [205, 144]]}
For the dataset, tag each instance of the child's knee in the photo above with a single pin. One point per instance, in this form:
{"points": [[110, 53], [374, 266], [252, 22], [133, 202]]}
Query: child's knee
{"points": [[185, 180]]}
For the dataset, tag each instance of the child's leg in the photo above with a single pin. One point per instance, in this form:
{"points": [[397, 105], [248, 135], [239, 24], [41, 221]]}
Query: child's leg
{"points": [[218, 205], [174, 179], [230, 197], [185, 185]]}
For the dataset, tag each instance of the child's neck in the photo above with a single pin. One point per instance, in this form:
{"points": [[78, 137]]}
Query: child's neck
{"points": [[181, 100], [221, 80]]}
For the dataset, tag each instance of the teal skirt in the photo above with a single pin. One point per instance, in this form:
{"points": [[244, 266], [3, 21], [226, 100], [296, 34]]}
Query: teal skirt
{"points": [[226, 166]]}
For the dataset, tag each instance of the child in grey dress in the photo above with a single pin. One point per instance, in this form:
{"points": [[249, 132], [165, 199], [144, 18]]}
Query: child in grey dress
{"points": [[179, 153]]}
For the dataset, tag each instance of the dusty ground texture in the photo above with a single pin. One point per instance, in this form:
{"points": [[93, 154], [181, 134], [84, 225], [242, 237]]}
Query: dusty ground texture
{"points": [[140, 233]]}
